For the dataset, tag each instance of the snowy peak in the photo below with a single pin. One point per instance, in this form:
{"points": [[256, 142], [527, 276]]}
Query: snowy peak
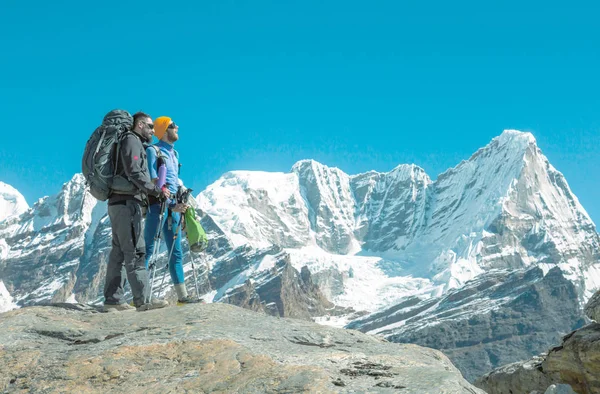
{"points": [[507, 207], [513, 141], [467, 197], [331, 205], [258, 208], [555, 230], [391, 206], [71, 205], [522, 138], [12, 203]]}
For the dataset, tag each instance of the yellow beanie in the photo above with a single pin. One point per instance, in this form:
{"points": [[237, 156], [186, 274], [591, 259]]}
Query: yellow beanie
{"points": [[160, 126]]}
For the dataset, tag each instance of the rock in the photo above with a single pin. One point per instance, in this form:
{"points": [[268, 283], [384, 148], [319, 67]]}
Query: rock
{"points": [[575, 363], [279, 291], [207, 348], [560, 389], [520, 377], [592, 308]]}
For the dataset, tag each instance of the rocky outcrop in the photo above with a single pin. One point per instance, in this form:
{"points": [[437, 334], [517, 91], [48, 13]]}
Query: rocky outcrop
{"points": [[281, 291], [592, 308], [576, 362], [207, 348]]}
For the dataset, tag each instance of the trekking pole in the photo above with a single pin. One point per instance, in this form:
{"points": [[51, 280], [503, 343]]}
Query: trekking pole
{"points": [[162, 179], [171, 251], [194, 271], [156, 248]]}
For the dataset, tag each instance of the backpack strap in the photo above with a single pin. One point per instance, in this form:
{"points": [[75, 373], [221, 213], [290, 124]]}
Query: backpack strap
{"points": [[160, 157], [178, 162], [118, 150]]}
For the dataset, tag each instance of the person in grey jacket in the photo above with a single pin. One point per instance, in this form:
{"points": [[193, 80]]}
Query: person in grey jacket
{"points": [[131, 187]]}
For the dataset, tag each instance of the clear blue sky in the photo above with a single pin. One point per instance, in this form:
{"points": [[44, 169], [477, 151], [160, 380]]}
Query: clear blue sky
{"points": [[259, 85]]}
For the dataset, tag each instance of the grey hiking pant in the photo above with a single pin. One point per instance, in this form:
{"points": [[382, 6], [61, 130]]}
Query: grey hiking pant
{"points": [[127, 257]]}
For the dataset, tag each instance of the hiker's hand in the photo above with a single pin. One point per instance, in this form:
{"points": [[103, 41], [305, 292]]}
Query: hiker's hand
{"points": [[165, 193], [181, 208]]}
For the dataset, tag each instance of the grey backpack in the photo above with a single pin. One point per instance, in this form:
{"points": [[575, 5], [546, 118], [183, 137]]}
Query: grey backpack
{"points": [[101, 153]]}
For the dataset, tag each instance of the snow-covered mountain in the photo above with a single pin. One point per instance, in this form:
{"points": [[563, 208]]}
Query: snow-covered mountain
{"points": [[11, 202], [45, 244], [288, 243], [505, 207]]}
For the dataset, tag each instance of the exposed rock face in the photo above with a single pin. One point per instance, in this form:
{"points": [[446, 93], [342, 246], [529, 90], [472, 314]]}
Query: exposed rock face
{"points": [[592, 308], [576, 362], [281, 291], [330, 204], [527, 312], [207, 348], [558, 389]]}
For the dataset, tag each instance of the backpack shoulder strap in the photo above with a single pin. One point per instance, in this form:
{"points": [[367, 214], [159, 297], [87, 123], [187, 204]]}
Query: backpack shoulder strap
{"points": [[160, 157], [118, 151], [120, 138], [178, 162]]}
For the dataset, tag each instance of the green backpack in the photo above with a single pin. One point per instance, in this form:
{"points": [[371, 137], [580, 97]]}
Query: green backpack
{"points": [[196, 235]]}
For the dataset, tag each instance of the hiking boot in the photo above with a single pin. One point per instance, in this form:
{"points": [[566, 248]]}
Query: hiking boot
{"points": [[117, 307], [190, 300], [156, 303]]}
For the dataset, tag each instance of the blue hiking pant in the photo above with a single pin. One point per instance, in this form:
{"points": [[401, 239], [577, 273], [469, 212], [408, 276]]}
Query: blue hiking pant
{"points": [[168, 232]]}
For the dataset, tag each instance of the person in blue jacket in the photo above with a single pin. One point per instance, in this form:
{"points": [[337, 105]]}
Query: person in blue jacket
{"points": [[167, 133]]}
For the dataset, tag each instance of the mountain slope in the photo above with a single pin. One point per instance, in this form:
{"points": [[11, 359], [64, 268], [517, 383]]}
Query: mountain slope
{"points": [[495, 319]]}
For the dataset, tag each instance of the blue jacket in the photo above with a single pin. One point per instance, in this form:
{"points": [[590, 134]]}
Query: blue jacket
{"points": [[171, 161]]}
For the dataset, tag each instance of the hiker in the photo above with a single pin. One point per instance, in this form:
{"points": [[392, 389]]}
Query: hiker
{"points": [[163, 152], [125, 205]]}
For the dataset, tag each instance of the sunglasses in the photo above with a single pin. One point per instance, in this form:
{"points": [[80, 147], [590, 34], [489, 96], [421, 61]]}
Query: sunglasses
{"points": [[150, 125], [172, 126]]}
